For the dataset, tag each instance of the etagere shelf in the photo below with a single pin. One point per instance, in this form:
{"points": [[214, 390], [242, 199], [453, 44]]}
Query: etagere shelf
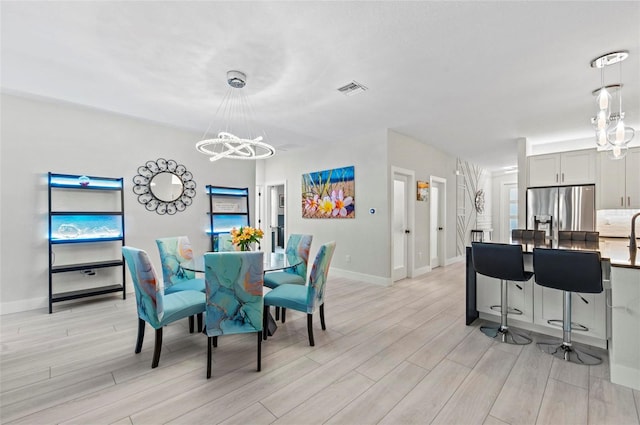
{"points": [[228, 208], [76, 227]]}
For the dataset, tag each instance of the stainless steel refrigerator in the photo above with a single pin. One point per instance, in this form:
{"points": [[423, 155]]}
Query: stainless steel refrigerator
{"points": [[561, 208]]}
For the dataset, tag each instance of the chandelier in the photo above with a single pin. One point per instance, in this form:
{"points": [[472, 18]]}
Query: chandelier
{"points": [[611, 132], [236, 140]]}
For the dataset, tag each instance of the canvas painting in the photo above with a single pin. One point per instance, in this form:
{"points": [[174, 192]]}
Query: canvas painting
{"points": [[329, 194]]}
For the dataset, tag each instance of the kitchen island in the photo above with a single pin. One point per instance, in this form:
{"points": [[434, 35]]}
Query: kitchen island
{"points": [[612, 317]]}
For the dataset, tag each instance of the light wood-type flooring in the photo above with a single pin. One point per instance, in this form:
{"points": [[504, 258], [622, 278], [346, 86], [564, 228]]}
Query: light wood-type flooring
{"points": [[390, 355]]}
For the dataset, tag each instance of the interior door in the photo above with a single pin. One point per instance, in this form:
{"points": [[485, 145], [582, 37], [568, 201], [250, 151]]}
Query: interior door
{"points": [[400, 227], [437, 222]]}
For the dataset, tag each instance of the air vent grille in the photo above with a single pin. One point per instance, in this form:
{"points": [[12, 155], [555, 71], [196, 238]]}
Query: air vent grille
{"points": [[352, 88]]}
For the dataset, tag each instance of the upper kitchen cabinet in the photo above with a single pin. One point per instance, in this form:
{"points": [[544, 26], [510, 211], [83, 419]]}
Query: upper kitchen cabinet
{"points": [[562, 169], [619, 182]]}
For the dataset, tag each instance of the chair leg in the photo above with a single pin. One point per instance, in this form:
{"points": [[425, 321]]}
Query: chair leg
{"points": [[310, 329], [277, 313], [141, 325], [157, 348], [215, 341], [209, 343], [199, 322], [324, 327], [503, 332], [190, 324], [259, 351], [265, 322], [284, 314]]}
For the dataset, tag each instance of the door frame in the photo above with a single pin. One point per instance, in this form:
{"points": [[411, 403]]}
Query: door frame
{"points": [[265, 212], [442, 211], [410, 210]]}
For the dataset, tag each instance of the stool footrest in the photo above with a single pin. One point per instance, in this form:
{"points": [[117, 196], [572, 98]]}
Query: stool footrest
{"points": [[574, 326], [510, 310]]}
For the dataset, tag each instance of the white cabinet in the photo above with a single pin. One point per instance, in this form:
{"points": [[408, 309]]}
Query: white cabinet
{"points": [[624, 357], [488, 294], [619, 182], [565, 168], [591, 314]]}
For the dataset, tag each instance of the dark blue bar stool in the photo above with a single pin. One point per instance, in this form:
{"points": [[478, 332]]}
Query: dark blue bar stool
{"points": [[504, 262], [568, 271]]}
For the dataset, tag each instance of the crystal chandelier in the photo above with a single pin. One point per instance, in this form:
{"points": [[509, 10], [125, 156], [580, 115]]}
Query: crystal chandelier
{"points": [[611, 132], [236, 140]]}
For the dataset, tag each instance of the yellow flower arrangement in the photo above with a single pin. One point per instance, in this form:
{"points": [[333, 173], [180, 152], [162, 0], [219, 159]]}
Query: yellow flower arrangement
{"points": [[245, 235]]}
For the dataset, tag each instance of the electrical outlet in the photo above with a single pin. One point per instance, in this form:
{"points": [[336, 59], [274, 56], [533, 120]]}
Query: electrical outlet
{"points": [[347, 258]]}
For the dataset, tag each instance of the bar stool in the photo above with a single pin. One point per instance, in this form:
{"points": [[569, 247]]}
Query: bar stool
{"points": [[504, 262], [569, 271]]}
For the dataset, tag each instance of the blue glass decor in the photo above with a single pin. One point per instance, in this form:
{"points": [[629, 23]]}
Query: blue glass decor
{"points": [[84, 181], [85, 227]]}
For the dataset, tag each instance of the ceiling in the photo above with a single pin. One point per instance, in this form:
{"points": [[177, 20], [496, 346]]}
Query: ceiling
{"points": [[467, 77]]}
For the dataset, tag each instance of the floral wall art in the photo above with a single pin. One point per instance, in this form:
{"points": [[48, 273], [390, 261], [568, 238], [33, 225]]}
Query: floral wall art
{"points": [[329, 193]]}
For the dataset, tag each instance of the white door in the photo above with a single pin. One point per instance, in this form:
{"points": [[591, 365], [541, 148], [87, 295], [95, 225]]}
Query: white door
{"points": [[437, 221], [400, 231]]}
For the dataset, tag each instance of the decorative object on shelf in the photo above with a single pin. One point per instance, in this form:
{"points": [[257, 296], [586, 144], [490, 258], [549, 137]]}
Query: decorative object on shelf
{"points": [[423, 191], [84, 181], [164, 186], [610, 129], [329, 194], [236, 141], [245, 236], [479, 201], [228, 208]]}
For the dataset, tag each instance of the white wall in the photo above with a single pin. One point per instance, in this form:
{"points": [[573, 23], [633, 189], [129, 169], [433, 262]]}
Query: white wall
{"points": [[365, 238], [38, 136], [426, 161]]}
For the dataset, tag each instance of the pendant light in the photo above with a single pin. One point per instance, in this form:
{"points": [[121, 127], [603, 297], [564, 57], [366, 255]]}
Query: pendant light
{"points": [[235, 139], [609, 126]]}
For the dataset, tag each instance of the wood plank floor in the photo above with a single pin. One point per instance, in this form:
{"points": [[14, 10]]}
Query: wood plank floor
{"points": [[399, 355]]}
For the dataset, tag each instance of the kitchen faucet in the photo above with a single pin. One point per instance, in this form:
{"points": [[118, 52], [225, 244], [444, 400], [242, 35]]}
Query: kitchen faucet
{"points": [[632, 237]]}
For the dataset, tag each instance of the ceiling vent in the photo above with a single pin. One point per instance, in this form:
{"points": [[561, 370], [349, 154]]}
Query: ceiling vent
{"points": [[352, 88]]}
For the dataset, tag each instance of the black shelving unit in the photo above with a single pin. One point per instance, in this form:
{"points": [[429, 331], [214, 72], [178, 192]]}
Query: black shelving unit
{"points": [[81, 227], [228, 208]]}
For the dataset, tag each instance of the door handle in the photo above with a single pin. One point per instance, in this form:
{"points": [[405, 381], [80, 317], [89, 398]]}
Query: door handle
{"points": [[622, 201], [407, 231], [562, 177], [440, 228], [628, 201]]}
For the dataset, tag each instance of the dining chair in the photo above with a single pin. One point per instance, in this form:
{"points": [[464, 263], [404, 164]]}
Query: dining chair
{"points": [[173, 252], [297, 252], [234, 297], [307, 298], [154, 306]]}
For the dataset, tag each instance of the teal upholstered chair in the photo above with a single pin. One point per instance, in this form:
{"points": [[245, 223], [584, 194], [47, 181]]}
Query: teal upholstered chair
{"points": [[234, 297], [154, 306], [306, 298], [297, 252], [173, 252]]}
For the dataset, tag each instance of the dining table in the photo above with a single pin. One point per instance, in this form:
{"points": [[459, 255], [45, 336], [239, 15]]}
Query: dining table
{"points": [[273, 261]]}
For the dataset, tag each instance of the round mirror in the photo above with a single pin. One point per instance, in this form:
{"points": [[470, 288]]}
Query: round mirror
{"points": [[166, 186]]}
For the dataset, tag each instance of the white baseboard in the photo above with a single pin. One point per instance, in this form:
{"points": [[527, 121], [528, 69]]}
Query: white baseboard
{"points": [[624, 375], [449, 261], [376, 280], [420, 271], [24, 305]]}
